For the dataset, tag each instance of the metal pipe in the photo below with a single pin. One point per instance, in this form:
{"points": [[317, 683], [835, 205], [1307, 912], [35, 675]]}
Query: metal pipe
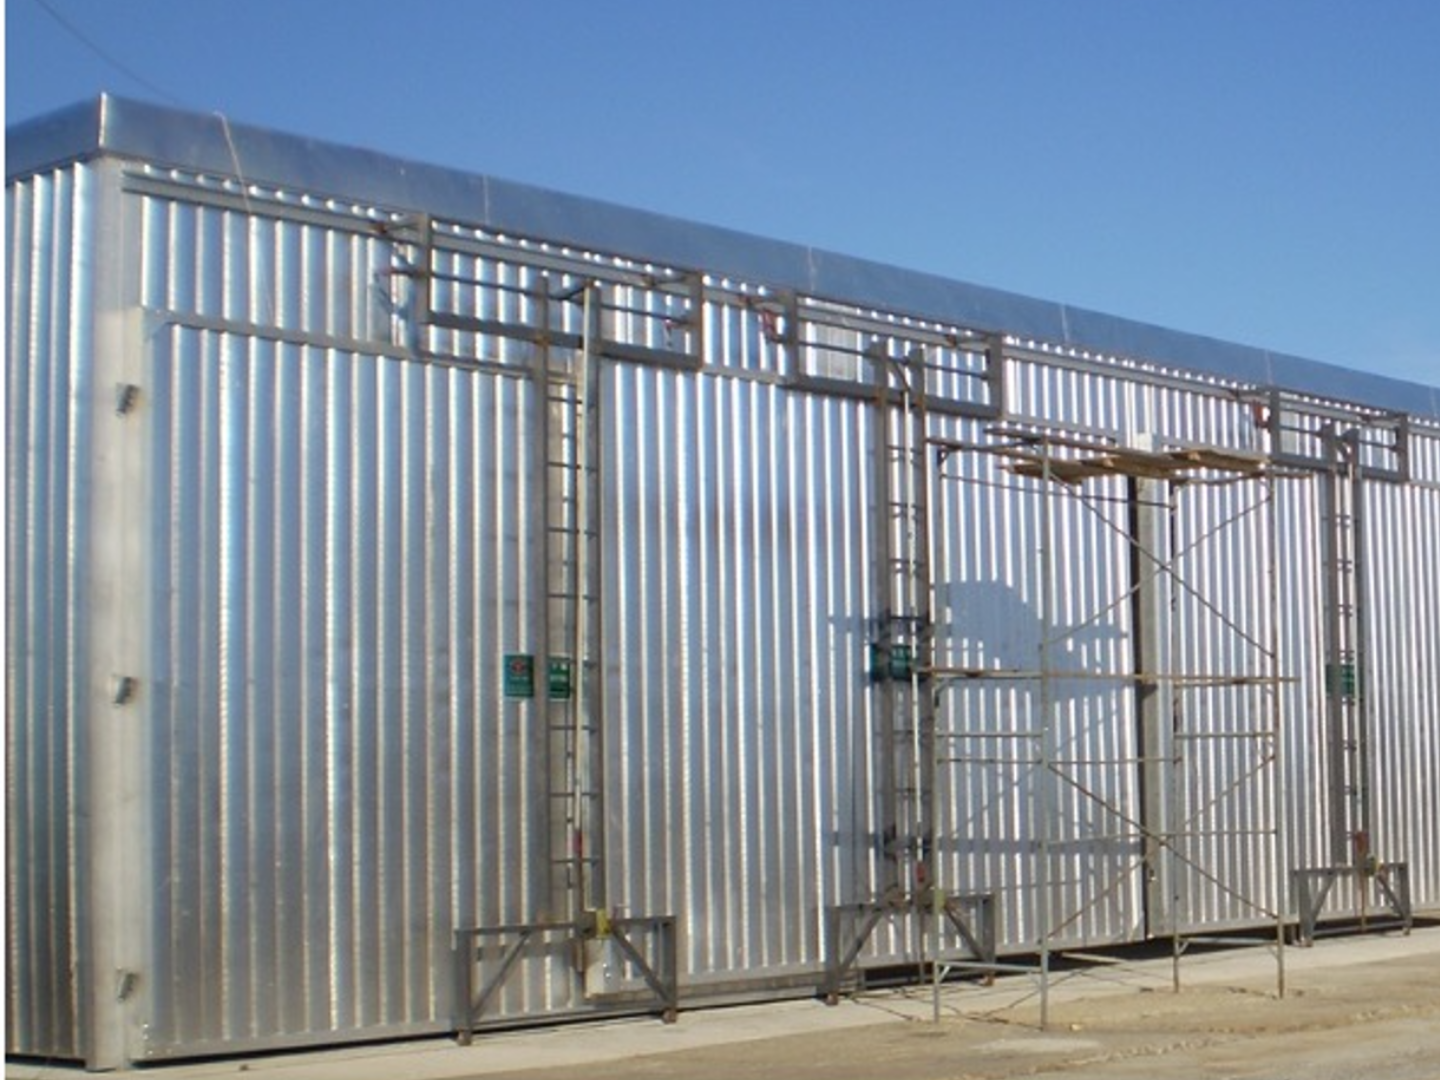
{"points": [[1040, 794], [1279, 840], [589, 744]]}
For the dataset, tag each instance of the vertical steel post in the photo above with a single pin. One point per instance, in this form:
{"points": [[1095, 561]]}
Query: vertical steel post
{"points": [[1152, 611], [114, 801], [550, 610], [892, 884], [929, 895], [1361, 720], [912, 820], [1347, 721], [1331, 557], [922, 610], [1279, 854], [589, 730], [1172, 770], [1040, 796]]}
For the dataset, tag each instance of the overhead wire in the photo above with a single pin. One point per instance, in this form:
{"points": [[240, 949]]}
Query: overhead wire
{"points": [[173, 99], [124, 69]]}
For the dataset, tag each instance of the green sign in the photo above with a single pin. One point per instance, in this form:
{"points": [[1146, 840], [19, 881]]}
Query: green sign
{"points": [[1343, 680], [519, 675], [895, 662], [560, 678]]}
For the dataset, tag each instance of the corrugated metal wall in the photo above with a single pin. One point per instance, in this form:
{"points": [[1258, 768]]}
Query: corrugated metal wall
{"points": [[1002, 537], [347, 540], [1231, 869], [735, 648], [50, 275], [1405, 669], [342, 550]]}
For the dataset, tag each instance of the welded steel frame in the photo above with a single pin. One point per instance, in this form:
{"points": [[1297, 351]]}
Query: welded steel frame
{"points": [[1034, 454], [659, 974], [901, 648], [1313, 887], [848, 928], [1344, 543], [567, 616]]}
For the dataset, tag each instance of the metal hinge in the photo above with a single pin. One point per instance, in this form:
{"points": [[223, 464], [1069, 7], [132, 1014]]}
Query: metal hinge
{"points": [[123, 689], [125, 984], [126, 395]]}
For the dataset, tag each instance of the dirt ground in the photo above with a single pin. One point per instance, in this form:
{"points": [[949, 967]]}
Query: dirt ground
{"points": [[1363, 1007], [1371, 1018]]}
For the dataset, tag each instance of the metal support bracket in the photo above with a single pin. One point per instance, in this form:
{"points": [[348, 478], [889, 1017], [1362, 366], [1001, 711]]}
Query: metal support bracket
{"points": [[475, 949], [1312, 888], [971, 915], [661, 976]]}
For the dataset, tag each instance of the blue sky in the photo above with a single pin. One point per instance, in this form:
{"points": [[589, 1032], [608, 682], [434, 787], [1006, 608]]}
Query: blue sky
{"points": [[1266, 171]]}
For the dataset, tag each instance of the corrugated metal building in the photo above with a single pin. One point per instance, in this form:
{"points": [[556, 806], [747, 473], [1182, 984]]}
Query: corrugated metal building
{"points": [[434, 601]]}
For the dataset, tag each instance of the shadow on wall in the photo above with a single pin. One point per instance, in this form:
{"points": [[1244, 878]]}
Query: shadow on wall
{"points": [[990, 624]]}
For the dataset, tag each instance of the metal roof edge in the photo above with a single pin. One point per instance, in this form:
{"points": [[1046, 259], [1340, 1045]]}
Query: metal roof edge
{"points": [[56, 138], [212, 143]]}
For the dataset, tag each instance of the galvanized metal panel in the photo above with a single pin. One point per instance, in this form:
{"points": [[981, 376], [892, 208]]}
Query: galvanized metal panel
{"points": [[1305, 752], [1230, 868], [341, 555], [1404, 676], [226, 264], [47, 467], [740, 753], [1038, 765]]}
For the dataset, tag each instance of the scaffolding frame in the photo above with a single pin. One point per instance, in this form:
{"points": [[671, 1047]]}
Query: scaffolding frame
{"points": [[1059, 462], [1062, 464]]}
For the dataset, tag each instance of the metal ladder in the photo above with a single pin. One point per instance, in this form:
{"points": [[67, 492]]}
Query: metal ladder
{"points": [[902, 647], [903, 643], [1352, 846], [619, 964], [568, 382], [1342, 532]]}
